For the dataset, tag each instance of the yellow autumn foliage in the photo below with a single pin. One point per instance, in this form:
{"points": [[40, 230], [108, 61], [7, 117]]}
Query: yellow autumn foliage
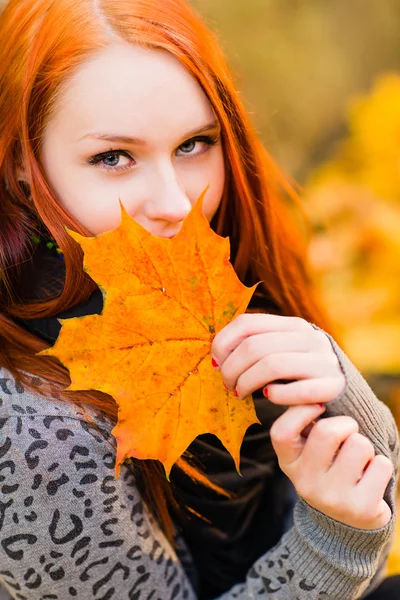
{"points": [[353, 201]]}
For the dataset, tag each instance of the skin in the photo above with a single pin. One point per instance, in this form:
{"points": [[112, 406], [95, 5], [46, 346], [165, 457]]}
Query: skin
{"points": [[149, 95]]}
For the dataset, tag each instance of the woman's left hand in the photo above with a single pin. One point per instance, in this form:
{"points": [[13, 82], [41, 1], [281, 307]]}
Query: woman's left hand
{"points": [[255, 350]]}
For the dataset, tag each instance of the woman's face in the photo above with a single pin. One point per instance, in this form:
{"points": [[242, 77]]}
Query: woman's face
{"points": [[133, 124]]}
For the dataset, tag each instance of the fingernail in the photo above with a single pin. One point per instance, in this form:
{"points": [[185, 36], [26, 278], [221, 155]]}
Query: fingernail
{"points": [[214, 363], [265, 391], [321, 404]]}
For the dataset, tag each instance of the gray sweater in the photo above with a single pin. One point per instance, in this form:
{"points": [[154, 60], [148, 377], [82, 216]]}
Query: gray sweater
{"points": [[68, 530]]}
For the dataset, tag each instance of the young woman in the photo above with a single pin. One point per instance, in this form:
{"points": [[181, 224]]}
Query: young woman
{"points": [[132, 99]]}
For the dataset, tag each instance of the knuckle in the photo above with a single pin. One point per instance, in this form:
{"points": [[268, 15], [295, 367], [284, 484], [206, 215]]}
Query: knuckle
{"points": [[361, 444], [241, 386], [225, 372], [217, 347], [338, 385], [279, 435], [250, 346], [321, 428], [332, 360], [241, 320], [384, 463], [300, 323], [322, 341], [333, 427], [273, 367]]}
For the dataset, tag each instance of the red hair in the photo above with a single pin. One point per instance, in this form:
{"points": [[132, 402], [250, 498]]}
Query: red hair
{"points": [[43, 43]]}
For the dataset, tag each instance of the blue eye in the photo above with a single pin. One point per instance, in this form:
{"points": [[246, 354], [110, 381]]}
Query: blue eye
{"points": [[110, 160], [205, 139]]}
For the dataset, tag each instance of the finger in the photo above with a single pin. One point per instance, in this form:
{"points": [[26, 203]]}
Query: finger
{"points": [[324, 441], [255, 347], [352, 458], [290, 365], [286, 431], [245, 325], [383, 515], [376, 478], [306, 391]]}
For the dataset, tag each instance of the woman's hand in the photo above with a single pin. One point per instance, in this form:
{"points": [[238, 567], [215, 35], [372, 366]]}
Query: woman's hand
{"points": [[335, 468], [255, 350]]}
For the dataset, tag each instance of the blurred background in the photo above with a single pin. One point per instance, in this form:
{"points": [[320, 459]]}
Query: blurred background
{"points": [[322, 83]]}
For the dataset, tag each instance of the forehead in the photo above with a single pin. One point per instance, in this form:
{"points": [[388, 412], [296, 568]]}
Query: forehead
{"points": [[132, 89]]}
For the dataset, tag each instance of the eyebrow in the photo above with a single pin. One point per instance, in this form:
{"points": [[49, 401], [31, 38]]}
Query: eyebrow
{"points": [[110, 137]]}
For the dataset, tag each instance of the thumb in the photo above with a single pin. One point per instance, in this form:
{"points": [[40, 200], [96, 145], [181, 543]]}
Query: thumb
{"points": [[286, 431]]}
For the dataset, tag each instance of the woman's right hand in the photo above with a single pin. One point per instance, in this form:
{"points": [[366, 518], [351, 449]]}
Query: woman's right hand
{"points": [[334, 469]]}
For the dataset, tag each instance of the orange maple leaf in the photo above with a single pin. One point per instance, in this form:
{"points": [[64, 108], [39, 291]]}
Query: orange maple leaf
{"points": [[164, 302]]}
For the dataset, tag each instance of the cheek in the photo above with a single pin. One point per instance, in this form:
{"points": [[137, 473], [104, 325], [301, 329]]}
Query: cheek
{"points": [[99, 217], [87, 198], [93, 205]]}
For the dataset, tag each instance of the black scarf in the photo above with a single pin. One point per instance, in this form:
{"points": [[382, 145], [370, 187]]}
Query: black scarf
{"points": [[233, 533]]}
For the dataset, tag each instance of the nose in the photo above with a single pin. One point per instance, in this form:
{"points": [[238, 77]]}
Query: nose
{"points": [[167, 202]]}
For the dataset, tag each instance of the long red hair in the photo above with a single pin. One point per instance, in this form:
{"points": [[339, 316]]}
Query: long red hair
{"points": [[43, 43]]}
